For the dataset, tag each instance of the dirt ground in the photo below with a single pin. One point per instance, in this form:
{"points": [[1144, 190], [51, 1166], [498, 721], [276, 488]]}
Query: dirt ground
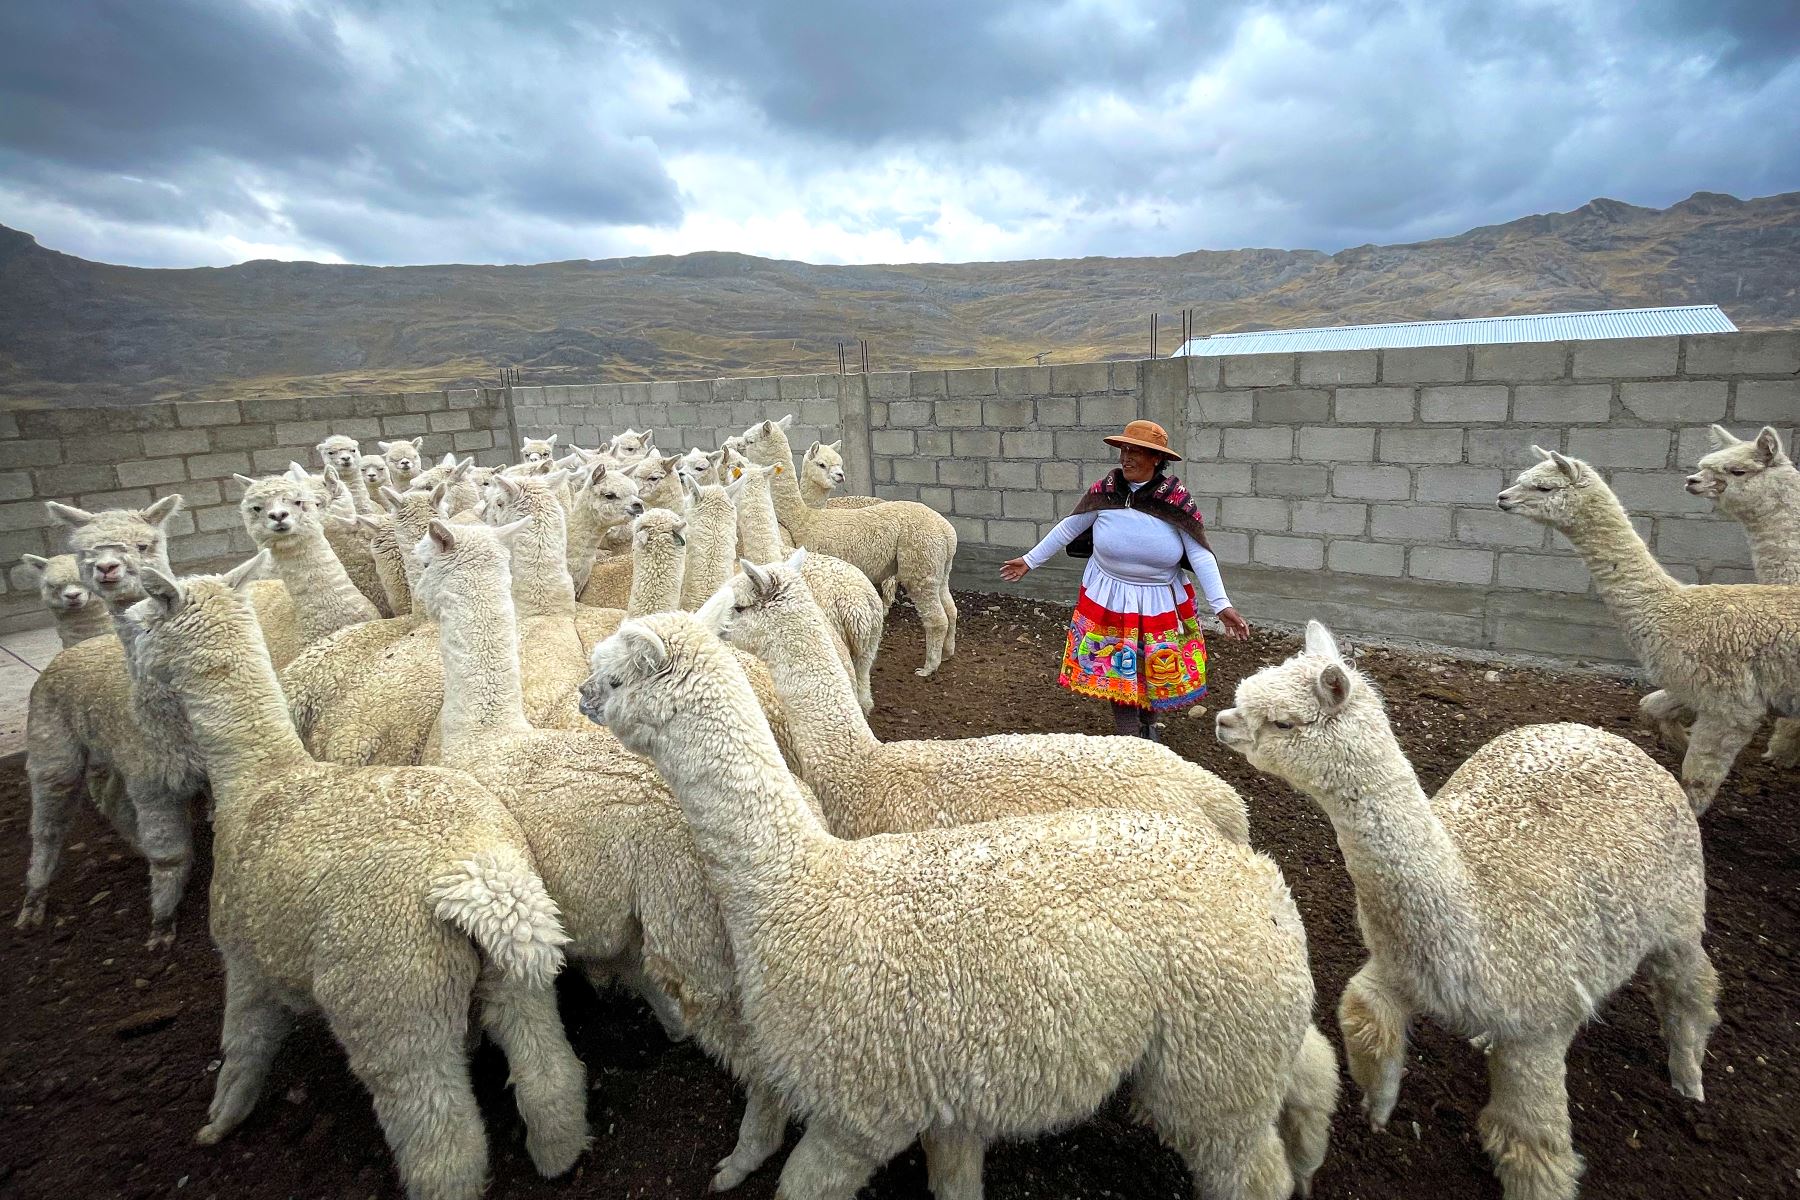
{"points": [[106, 1069]]}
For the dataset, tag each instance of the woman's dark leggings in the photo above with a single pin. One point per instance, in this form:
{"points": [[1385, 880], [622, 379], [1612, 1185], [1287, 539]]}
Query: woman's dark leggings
{"points": [[1129, 720]]}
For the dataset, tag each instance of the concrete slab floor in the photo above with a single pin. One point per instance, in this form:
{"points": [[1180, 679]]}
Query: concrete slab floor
{"points": [[22, 656]]}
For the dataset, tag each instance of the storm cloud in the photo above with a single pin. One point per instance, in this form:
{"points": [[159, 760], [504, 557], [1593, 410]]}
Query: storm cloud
{"points": [[204, 132]]}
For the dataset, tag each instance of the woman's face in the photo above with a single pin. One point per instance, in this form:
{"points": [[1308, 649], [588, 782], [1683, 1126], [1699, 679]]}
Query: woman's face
{"points": [[1138, 464]]}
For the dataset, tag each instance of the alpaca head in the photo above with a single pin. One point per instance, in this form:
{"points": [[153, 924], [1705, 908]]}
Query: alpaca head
{"points": [[823, 466], [112, 571], [403, 460], [374, 471], [727, 463], [1743, 476], [463, 561], [765, 442], [180, 631], [763, 608], [651, 671], [145, 530], [660, 535], [523, 498], [341, 452], [59, 581], [1555, 492], [1313, 721], [277, 507], [627, 448], [692, 466], [442, 471], [657, 481], [535, 450], [611, 496]]}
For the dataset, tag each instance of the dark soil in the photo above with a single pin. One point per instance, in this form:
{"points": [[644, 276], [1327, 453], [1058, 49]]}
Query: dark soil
{"points": [[107, 1068]]}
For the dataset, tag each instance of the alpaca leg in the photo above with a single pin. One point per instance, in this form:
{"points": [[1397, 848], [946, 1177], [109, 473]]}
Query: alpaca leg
{"points": [[1669, 717], [1373, 1018], [1684, 987], [830, 1164], [1312, 1096], [256, 1023], [953, 1164], [928, 597], [1784, 743], [1250, 1168], [166, 831], [549, 1082], [56, 774], [760, 1134], [1713, 745], [890, 590], [949, 611], [662, 1005], [1525, 1126], [106, 789]]}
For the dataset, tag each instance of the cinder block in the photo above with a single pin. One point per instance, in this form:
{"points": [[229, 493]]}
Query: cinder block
{"points": [[971, 381], [1421, 445], [208, 412], [1022, 381], [790, 387], [1286, 479], [1459, 485], [1640, 358], [1469, 404], [223, 516], [1510, 448], [1027, 445], [1425, 364], [938, 443], [915, 470], [1410, 522], [896, 491], [962, 472], [1305, 554], [1203, 371], [148, 471], [1371, 483], [1543, 572], [1332, 443], [1111, 412], [1219, 408], [970, 531], [1621, 447], [884, 385], [1036, 506], [195, 492], [1230, 548], [1563, 404], [1704, 542], [428, 402], [1771, 401], [892, 441], [1217, 479], [74, 481], [1057, 410], [16, 485], [1659, 492], [448, 422], [1491, 527], [100, 448], [1125, 375], [1685, 401], [1380, 405], [955, 413], [975, 443], [28, 514], [1695, 442], [1200, 443], [938, 499], [1253, 512], [1259, 445], [1078, 378], [1338, 366], [127, 498], [478, 440], [217, 466], [883, 469], [175, 442], [1520, 360], [1081, 445], [909, 412], [1314, 516], [1007, 412], [1775, 353], [1291, 405], [1021, 535], [1256, 370], [1060, 476], [1012, 475], [1367, 558], [270, 409], [31, 452], [404, 427], [1446, 565]]}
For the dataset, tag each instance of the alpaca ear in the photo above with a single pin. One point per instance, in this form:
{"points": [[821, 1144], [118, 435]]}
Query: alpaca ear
{"points": [[440, 534], [555, 479], [35, 562], [510, 486], [447, 462], [385, 446], [1543, 454], [1320, 642], [367, 523], [797, 559], [786, 422], [1768, 445], [506, 533], [1568, 466], [734, 491], [162, 589], [244, 479], [644, 648], [461, 470], [678, 534], [162, 510], [692, 488], [1333, 687], [241, 576], [551, 440], [812, 451], [390, 499], [837, 447], [1721, 437], [297, 473], [439, 499], [759, 578]]}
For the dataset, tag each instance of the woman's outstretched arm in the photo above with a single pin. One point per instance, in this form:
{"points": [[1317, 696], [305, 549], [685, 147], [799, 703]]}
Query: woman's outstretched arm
{"points": [[1066, 531]]}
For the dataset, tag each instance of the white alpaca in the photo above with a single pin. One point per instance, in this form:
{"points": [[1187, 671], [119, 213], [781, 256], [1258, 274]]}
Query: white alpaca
{"points": [[393, 948], [650, 579], [1555, 861], [1730, 653], [281, 515], [712, 540], [607, 500], [899, 539], [628, 449], [375, 473], [403, 461], [893, 987], [350, 532], [536, 450], [344, 456], [659, 486], [822, 471], [868, 787], [78, 613]]}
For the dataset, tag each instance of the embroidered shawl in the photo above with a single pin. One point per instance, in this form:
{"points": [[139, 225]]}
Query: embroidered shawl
{"points": [[1163, 497]]}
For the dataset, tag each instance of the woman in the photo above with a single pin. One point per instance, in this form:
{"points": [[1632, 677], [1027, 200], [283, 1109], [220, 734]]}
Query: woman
{"points": [[1135, 639]]}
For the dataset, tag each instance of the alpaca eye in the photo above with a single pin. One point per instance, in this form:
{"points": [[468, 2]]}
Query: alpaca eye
{"points": [[1544, 487], [1737, 471], [256, 508], [616, 682], [737, 608], [1283, 725]]}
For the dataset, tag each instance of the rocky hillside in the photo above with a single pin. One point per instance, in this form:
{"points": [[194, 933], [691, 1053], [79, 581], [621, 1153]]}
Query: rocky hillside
{"points": [[76, 330]]}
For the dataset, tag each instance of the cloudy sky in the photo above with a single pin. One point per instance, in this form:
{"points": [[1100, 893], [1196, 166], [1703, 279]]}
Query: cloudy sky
{"points": [[205, 132]]}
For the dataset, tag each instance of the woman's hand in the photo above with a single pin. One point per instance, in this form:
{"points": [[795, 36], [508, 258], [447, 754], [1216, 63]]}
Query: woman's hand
{"points": [[1236, 628], [1013, 569]]}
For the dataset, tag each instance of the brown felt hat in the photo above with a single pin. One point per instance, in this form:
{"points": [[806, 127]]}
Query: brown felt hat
{"points": [[1145, 435]]}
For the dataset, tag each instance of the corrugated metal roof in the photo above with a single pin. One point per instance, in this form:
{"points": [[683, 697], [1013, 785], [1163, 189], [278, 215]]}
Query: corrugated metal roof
{"points": [[1472, 331]]}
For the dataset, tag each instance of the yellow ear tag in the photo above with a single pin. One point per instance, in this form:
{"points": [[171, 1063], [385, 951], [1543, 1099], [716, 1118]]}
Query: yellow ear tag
{"points": [[778, 468], [737, 472]]}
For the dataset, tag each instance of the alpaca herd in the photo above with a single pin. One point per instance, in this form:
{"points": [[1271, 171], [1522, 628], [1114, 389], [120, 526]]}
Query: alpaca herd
{"points": [[608, 709]]}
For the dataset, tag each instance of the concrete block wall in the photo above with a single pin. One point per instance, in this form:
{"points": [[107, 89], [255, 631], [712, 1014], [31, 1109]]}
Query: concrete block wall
{"points": [[98, 458]]}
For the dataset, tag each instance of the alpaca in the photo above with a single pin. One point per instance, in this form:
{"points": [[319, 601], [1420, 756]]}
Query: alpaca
{"points": [[403, 461], [900, 538], [375, 473], [712, 541], [392, 948], [79, 615], [892, 987], [1729, 652], [607, 500], [650, 579], [535, 450], [342, 455], [350, 533], [659, 486], [823, 470], [867, 787], [628, 449], [280, 514], [692, 466], [1555, 861]]}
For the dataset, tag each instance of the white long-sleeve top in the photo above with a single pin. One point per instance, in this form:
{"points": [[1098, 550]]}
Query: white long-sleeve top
{"points": [[1136, 561]]}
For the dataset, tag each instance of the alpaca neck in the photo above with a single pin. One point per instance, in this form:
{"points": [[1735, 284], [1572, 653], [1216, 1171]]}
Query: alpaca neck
{"points": [[790, 509], [239, 716], [656, 580], [830, 735], [390, 568], [478, 635], [813, 493], [540, 565], [1772, 524], [711, 550], [90, 620], [358, 487], [324, 598], [583, 543], [1625, 573], [758, 527]]}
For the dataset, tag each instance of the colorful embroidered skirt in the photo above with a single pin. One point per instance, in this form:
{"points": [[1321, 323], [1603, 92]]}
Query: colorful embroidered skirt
{"points": [[1152, 660]]}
